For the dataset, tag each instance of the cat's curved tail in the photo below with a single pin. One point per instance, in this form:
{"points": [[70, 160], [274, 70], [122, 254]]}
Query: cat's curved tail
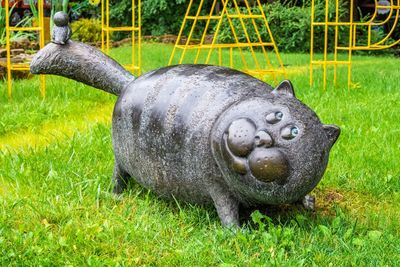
{"points": [[82, 63]]}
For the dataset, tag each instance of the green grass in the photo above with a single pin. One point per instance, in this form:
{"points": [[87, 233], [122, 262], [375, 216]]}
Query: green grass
{"points": [[56, 162]]}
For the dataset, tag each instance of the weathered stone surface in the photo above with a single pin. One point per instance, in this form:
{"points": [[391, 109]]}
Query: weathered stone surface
{"points": [[201, 133], [17, 51], [13, 60], [21, 43], [24, 57], [16, 74], [3, 52], [16, 59]]}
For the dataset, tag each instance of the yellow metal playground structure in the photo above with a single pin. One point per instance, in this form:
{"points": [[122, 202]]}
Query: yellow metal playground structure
{"points": [[336, 53], [207, 23], [23, 66], [134, 29]]}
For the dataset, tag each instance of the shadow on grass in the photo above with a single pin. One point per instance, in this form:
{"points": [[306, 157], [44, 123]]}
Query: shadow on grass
{"points": [[325, 210]]}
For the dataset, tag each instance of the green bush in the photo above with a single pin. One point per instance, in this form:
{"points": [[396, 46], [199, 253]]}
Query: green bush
{"points": [[2, 25], [289, 24], [25, 22], [166, 16], [158, 16], [163, 16], [85, 8], [86, 30]]}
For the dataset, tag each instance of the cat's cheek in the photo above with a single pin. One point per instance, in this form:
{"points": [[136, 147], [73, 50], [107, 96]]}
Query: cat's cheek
{"points": [[269, 165], [240, 140], [236, 163]]}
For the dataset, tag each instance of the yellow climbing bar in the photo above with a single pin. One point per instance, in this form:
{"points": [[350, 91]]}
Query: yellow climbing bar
{"points": [[20, 66], [121, 29], [211, 46], [24, 29], [135, 29]]}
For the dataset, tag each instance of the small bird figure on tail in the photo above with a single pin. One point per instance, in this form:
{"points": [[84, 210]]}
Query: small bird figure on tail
{"points": [[61, 30]]}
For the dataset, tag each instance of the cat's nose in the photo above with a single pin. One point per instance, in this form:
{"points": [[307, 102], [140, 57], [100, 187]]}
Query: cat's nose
{"points": [[263, 139]]}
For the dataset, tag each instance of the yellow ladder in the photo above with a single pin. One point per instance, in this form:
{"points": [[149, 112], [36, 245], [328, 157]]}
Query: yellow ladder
{"points": [[135, 29], [23, 66], [231, 12]]}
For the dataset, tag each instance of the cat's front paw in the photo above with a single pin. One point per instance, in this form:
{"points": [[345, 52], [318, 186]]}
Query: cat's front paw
{"points": [[308, 202]]}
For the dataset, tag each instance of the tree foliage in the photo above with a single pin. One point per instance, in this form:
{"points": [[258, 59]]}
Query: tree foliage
{"points": [[289, 22], [158, 16]]}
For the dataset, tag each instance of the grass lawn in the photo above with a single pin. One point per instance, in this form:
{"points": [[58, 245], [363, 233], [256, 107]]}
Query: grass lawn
{"points": [[56, 206]]}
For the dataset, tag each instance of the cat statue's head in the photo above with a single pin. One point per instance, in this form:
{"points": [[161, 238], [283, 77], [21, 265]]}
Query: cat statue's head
{"points": [[272, 150]]}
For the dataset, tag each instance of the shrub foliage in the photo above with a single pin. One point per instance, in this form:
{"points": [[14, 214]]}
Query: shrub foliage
{"points": [[158, 16], [87, 30], [289, 22]]}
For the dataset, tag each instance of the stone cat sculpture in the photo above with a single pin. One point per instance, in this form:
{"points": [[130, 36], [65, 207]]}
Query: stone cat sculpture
{"points": [[202, 133]]}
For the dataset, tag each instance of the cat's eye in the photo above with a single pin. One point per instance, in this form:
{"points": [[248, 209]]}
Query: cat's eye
{"points": [[290, 132], [274, 117], [294, 131]]}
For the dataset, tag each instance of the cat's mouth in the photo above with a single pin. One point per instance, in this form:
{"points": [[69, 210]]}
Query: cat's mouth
{"points": [[261, 159]]}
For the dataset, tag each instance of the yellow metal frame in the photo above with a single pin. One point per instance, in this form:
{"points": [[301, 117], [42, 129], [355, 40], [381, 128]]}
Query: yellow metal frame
{"points": [[352, 44], [9, 29], [135, 29], [257, 69]]}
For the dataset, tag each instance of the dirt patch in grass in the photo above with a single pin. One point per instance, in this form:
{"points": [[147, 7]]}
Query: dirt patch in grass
{"points": [[359, 206]]}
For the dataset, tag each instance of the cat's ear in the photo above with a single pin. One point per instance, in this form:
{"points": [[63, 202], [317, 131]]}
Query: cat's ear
{"points": [[284, 88], [332, 132]]}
